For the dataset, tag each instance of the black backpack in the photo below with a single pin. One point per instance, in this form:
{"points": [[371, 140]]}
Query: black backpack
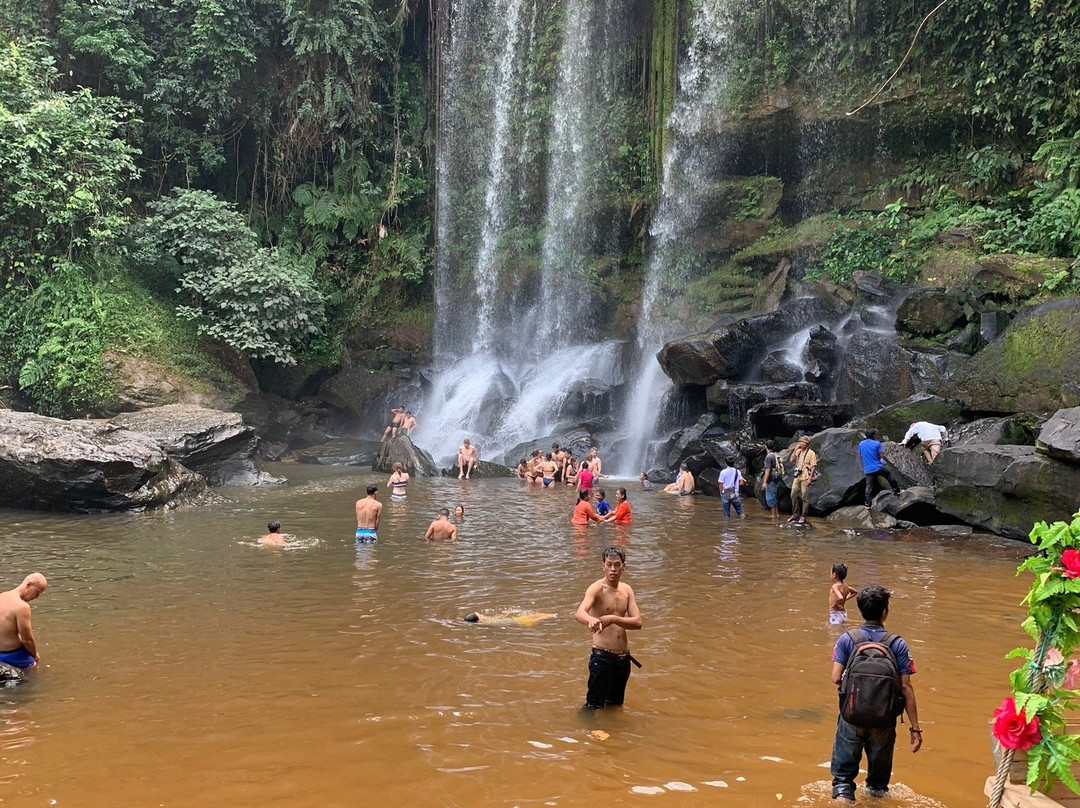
{"points": [[870, 693]]}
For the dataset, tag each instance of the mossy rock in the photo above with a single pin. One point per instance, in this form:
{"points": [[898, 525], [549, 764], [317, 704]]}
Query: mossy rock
{"points": [[1032, 367], [929, 313], [1012, 278], [800, 244], [893, 421]]}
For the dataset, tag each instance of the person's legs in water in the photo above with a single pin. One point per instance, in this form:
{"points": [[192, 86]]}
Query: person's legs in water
{"points": [[879, 745], [846, 756]]}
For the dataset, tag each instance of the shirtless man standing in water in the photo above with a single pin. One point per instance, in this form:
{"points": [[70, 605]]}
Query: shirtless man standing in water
{"points": [[609, 609], [442, 529], [367, 516], [17, 646]]}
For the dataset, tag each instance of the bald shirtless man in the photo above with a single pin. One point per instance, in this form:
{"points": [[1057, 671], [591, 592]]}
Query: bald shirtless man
{"points": [[17, 646], [609, 609], [367, 516], [442, 529]]}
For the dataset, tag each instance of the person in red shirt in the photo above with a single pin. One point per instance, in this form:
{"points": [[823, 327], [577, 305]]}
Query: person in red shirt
{"points": [[621, 514], [585, 478], [584, 510]]}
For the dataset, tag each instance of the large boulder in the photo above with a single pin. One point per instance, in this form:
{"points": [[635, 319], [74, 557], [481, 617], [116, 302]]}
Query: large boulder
{"points": [[841, 480], [786, 417], [876, 371], [1005, 489], [339, 452], [892, 421], [56, 465], [929, 313], [688, 441], [578, 441], [1009, 278], [735, 400], [778, 368], [1032, 367], [483, 470], [1008, 430], [216, 444], [584, 400], [1060, 436], [857, 514], [413, 459], [917, 504], [907, 466], [731, 351]]}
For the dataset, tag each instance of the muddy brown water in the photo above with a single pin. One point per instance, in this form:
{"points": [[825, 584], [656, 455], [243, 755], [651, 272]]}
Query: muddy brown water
{"points": [[185, 666]]}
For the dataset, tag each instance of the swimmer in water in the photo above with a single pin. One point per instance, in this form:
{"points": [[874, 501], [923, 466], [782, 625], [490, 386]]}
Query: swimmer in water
{"points": [[459, 513], [274, 538], [509, 618], [442, 529], [397, 483]]}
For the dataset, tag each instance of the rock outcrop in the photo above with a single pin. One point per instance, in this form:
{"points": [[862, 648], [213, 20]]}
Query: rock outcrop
{"points": [[212, 443], [483, 470], [413, 459], [1060, 436], [340, 452], [51, 464], [1004, 489], [1034, 366]]}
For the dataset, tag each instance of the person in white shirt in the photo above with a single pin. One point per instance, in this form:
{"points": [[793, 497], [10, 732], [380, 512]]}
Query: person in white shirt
{"points": [[930, 435], [729, 481]]}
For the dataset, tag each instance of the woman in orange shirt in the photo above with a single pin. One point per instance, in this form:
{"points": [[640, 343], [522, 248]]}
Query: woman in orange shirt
{"points": [[621, 514], [584, 510]]}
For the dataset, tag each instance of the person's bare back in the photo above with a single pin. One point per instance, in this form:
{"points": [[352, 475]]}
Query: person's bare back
{"points": [[368, 510], [442, 529], [839, 594], [16, 631]]}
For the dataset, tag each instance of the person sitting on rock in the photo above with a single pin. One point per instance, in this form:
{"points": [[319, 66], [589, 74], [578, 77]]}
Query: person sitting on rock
{"points": [[467, 458]]}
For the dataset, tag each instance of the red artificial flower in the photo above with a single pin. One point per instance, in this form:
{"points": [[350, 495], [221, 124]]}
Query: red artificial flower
{"points": [[1070, 560], [1012, 729]]}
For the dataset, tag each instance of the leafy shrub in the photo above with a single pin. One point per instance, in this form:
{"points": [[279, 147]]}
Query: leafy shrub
{"points": [[264, 303], [874, 243]]}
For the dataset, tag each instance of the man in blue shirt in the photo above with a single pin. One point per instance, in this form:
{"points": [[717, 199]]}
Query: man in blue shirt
{"points": [[873, 467], [878, 743]]}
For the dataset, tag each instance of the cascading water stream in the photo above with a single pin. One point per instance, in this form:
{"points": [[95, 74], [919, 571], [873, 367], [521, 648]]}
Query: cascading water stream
{"points": [[508, 349], [687, 169]]}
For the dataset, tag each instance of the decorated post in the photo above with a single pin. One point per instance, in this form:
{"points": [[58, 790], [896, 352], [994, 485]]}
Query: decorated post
{"points": [[1033, 718]]}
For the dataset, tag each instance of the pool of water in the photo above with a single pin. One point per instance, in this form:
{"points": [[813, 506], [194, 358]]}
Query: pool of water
{"points": [[183, 665]]}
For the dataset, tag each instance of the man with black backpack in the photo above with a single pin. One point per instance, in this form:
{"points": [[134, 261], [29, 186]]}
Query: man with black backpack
{"points": [[872, 669]]}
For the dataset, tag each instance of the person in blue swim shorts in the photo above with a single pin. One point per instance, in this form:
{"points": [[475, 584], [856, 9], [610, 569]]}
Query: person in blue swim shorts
{"points": [[17, 645], [367, 515]]}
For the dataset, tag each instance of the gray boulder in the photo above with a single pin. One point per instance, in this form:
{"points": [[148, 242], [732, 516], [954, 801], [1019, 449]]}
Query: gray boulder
{"points": [[578, 441], [779, 418], [929, 313], [340, 452], [216, 444], [841, 480], [1006, 431], [776, 367], [1060, 436], [857, 514], [51, 464], [585, 400], [688, 441], [401, 449], [1034, 366], [1004, 489], [483, 470], [907, 466], [917, 504], [892, 421], [10, 675], [876, 371], [735, 400], [732, 351]]}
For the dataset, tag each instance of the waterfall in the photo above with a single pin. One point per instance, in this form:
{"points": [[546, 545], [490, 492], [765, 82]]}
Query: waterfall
{"points": [[509, 341], [689, 166], [577, 160]]}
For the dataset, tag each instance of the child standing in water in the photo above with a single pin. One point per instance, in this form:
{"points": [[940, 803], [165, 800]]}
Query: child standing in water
{"points": [[839, 594]]}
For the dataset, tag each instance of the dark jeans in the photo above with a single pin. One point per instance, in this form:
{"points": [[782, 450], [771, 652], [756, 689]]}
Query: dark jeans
{"points": [[608, 674], [735, 502], [848, 747], [870, 484]]}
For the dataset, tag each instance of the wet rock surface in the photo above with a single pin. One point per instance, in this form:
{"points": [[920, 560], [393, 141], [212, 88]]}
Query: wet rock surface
{"points": [[1060, 436], [212, 443], [413, 459], [340, 452], [1004, 489], [52, 464]]}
